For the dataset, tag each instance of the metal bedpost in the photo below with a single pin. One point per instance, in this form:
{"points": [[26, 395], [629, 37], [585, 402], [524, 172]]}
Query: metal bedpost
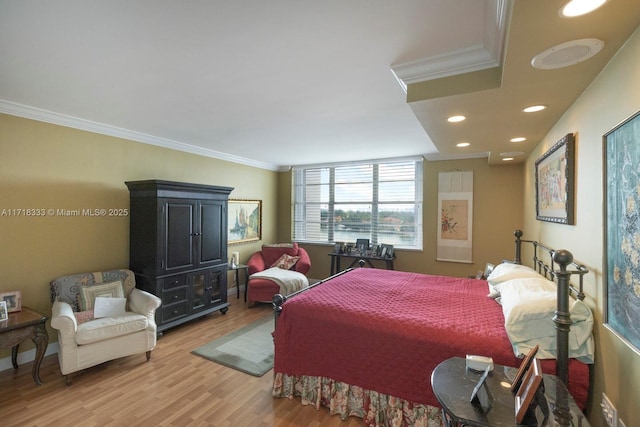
{"points": [[562, 317], [518, 234]]}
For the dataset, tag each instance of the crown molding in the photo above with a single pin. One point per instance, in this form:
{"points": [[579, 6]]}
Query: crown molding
{"points": [[46, 116], [482, 56]]}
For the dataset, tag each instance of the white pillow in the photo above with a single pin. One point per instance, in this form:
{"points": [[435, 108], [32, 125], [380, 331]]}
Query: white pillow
{"points": [[507, 271], [109, 307], [528, 284], [528, 319]]}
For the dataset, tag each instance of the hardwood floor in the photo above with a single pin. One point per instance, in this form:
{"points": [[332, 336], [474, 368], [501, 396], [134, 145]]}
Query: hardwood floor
{"points": [[175, 388]]}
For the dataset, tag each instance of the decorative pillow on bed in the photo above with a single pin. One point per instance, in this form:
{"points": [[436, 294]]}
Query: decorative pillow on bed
{"points": [[286, 262], [507, 271], [528, 319]]}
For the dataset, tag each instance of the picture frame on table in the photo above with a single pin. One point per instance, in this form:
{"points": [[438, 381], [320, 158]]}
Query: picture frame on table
{"points": [[337, 248], [3, 311], [621, 156], [13, 300], [555, 176], [524, 367], [244, 221], [529, 392], [362, 245], [387, 251]]}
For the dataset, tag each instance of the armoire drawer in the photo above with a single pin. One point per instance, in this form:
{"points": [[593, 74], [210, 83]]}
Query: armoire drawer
{"points": [[174, 311], [174, 282], [174, 295]]}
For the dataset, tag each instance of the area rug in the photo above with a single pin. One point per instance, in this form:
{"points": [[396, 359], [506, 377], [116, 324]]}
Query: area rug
{"points": [[248, 349]]}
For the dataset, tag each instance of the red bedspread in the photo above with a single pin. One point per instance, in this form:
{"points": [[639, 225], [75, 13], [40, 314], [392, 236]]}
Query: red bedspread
{"points": [[387, 330]]}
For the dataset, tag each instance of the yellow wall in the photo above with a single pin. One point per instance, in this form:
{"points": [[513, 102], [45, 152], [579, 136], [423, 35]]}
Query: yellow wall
{"points": [[497, 212], [46, 166], [611, 98]]}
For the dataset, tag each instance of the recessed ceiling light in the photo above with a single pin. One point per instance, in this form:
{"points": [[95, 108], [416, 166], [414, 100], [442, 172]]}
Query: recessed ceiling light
{"points": [[455, 119], [534, 108], [518, 139], [507, 159], [579, 7], [462, 144]]}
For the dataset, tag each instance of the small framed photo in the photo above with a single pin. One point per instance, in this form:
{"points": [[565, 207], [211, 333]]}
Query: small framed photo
{"points": [[362, 245], [3, 311], [387, 251], [13, 300], [522, 370], [529, 393], [337, 248]]}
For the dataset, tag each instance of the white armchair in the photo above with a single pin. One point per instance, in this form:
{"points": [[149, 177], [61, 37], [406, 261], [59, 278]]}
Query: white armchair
{"points": [[86, 341]]}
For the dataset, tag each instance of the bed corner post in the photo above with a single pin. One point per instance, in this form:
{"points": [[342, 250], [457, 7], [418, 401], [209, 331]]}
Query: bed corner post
{"points": [[562, 317], [518, 234], [277, 302]]}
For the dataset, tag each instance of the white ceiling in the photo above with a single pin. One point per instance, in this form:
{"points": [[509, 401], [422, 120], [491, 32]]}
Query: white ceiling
{"points": [[289, 82]]}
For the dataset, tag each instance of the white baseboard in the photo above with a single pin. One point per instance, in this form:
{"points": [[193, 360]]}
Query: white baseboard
{"points": [[27, 356]]}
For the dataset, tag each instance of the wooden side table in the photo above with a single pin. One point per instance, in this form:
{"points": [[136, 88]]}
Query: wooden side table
{"points": [[19, 326], [237, 268], [453, 385]]}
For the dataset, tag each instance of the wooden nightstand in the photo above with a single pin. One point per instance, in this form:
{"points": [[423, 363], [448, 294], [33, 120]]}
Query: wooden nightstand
{"points": [[22, 325]]}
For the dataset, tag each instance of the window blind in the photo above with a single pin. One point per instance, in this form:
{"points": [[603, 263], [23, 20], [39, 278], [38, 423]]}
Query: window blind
{"points": [[377, 200]]}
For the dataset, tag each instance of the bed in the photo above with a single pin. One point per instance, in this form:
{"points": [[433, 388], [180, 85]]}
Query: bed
{"points": [[364, 342]]}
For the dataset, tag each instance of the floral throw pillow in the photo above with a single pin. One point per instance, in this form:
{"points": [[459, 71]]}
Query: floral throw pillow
{"points": [[286, 262], [83, 316]]}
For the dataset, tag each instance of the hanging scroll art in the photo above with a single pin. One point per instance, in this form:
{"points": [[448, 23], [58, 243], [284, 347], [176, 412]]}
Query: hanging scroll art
{"points": [[455, 204]]}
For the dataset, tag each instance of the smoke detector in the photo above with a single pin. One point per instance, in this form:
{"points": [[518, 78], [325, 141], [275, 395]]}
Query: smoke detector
{"points": [[566, 54]]}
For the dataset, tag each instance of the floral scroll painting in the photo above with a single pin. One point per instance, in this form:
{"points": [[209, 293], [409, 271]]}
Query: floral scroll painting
{"points": [[622, 230], [455, 204]]}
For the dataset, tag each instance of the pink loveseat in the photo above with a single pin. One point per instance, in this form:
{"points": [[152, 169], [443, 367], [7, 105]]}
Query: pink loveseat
{"points": [[263, 290]]}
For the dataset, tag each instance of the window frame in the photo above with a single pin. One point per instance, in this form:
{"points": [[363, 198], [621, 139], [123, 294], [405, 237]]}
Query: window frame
{"points": [[300, 204]]}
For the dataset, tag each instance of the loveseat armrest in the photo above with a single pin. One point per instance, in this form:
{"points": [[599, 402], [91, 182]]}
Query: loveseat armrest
{"points": [[256, 263], [63, 319], [304, 263], [144, 303]]}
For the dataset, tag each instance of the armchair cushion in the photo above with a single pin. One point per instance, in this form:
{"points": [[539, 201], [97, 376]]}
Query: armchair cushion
{"points": [[110, 327]]}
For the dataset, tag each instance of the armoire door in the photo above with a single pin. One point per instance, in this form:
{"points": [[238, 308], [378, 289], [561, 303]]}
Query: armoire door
{"points": [[179, 235], [212, 233]]}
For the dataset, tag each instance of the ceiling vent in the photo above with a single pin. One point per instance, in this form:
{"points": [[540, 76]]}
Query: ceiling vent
{"points": [[568, 53]]}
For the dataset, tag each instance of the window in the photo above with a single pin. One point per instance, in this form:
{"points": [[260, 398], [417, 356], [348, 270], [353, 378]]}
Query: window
{"points": [[376, 200]]}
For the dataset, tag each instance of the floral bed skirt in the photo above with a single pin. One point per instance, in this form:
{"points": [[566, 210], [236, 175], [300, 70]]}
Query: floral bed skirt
{"points": [[376, 409]]}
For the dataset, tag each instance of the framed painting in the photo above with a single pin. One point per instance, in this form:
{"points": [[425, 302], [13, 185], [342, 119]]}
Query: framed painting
{"points": [[621, 158], [555, 182], [245, 221]]}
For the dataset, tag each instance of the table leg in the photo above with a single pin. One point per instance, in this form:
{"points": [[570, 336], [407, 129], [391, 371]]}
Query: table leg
{"points": [[237, 284], [246, 283], [41, 340], [14, 356]]}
